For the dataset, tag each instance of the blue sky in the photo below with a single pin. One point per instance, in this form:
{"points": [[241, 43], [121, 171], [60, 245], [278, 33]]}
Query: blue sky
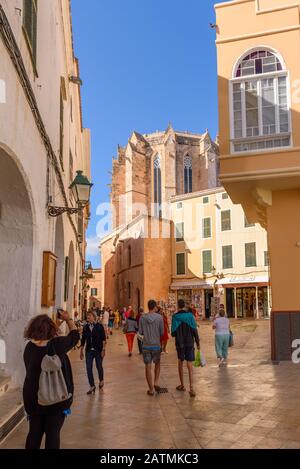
{"points": [[144, 63]]}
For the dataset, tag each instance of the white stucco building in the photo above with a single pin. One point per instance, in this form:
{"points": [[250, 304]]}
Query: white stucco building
{"points": [[42, 145]]}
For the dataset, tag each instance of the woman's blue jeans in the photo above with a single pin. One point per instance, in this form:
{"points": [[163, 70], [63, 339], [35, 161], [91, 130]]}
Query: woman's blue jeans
{"points": [[92, 355]]}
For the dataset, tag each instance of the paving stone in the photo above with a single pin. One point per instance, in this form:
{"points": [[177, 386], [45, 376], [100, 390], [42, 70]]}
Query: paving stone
{"points": [[251, 404]]}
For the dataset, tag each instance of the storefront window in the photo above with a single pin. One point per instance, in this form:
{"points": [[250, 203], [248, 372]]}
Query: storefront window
{"points": [[185, 295]]}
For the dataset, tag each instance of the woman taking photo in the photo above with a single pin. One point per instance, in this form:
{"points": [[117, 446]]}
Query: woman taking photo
{"points": [[131, 329], [42, 334]]}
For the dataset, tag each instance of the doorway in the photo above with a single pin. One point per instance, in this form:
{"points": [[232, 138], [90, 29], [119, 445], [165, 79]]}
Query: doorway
{"points": [[230, 302], [208, 295], [16, 255]]}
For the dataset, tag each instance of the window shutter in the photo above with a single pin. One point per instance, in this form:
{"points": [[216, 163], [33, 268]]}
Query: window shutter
{"points": [[180, 263], [67, 273], [250, 254], [30, 25], [206, 228], [207, 262], [226, 220], [61, 130], [227, 257]]}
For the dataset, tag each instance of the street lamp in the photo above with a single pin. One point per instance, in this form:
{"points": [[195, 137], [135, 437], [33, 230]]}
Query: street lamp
{"points": [[81, 190]]}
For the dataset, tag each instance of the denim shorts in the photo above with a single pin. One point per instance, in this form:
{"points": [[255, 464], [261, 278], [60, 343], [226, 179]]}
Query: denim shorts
{"points": [[186, 353], [151, 356]]}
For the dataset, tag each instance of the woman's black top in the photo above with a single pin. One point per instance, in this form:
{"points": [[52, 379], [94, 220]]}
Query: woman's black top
{"points": [[33, 356], [93, 337]]}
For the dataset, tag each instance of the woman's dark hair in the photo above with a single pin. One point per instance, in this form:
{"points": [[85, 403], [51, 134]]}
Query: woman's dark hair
{"points": [[41, 328], [131, 314], [222, 313], [181, 303]]}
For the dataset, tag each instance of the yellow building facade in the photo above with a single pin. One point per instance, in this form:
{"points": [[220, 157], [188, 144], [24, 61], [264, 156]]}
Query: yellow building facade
{"points": [[258, 43], [218, 257]]}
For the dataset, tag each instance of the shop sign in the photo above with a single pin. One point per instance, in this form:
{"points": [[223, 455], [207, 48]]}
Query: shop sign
{"points": [[251, 278]]}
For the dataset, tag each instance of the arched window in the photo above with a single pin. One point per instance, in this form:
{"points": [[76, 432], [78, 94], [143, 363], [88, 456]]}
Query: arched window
{"points": [[260, 117], [188, 174], [157, 186]]}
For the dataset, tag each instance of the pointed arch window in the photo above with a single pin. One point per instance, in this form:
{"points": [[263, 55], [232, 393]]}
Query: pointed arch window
{"points": [[157, 186], [260, 111], [188, 174]]}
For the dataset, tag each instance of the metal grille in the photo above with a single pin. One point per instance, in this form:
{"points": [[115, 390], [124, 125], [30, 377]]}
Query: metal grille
{"points": [[11, 423]]}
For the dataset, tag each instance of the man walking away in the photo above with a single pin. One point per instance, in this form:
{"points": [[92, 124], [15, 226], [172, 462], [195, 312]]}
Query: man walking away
{"points": [[151, 327], [184, 329]]}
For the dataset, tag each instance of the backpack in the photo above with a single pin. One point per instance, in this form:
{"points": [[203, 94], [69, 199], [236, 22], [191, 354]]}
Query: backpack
{"points": [[52, 385]]}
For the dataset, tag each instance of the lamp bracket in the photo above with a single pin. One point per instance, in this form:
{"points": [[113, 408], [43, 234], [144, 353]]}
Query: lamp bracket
{"points": [[57, 211]]}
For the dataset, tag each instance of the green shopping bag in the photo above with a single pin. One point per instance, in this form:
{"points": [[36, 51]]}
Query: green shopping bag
{"points": [[197, 362]]}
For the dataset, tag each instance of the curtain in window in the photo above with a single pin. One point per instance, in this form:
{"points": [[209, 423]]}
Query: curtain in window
{"points": [[260, 104], [179, 232]]}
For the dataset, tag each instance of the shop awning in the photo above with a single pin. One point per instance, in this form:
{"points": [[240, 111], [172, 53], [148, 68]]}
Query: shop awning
{"points": [[191, 285], [251, 279]]}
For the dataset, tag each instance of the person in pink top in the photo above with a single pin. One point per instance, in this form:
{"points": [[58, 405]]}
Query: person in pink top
{"points": [[128, 312]]}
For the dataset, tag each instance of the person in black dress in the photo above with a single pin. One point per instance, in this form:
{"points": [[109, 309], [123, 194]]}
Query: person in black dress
{"points": [[46, 420], [94, 341]]}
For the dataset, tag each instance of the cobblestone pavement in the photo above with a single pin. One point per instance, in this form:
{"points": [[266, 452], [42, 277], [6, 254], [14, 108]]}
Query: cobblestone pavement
{"points": [[251, 404]]}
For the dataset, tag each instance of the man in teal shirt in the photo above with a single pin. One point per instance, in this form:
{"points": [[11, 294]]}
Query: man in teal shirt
{"points": [[184, 329]]}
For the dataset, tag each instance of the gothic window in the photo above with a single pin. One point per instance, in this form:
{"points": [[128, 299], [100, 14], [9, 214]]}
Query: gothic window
{"points": [[259, 103], [157, 187], [188, 174]]}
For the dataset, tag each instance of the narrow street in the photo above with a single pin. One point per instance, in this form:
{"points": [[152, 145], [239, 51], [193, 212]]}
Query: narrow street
{"points": [[251, 404]]}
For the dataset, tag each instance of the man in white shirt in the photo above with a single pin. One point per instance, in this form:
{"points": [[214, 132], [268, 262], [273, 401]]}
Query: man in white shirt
{"points": [[105, 321]]}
